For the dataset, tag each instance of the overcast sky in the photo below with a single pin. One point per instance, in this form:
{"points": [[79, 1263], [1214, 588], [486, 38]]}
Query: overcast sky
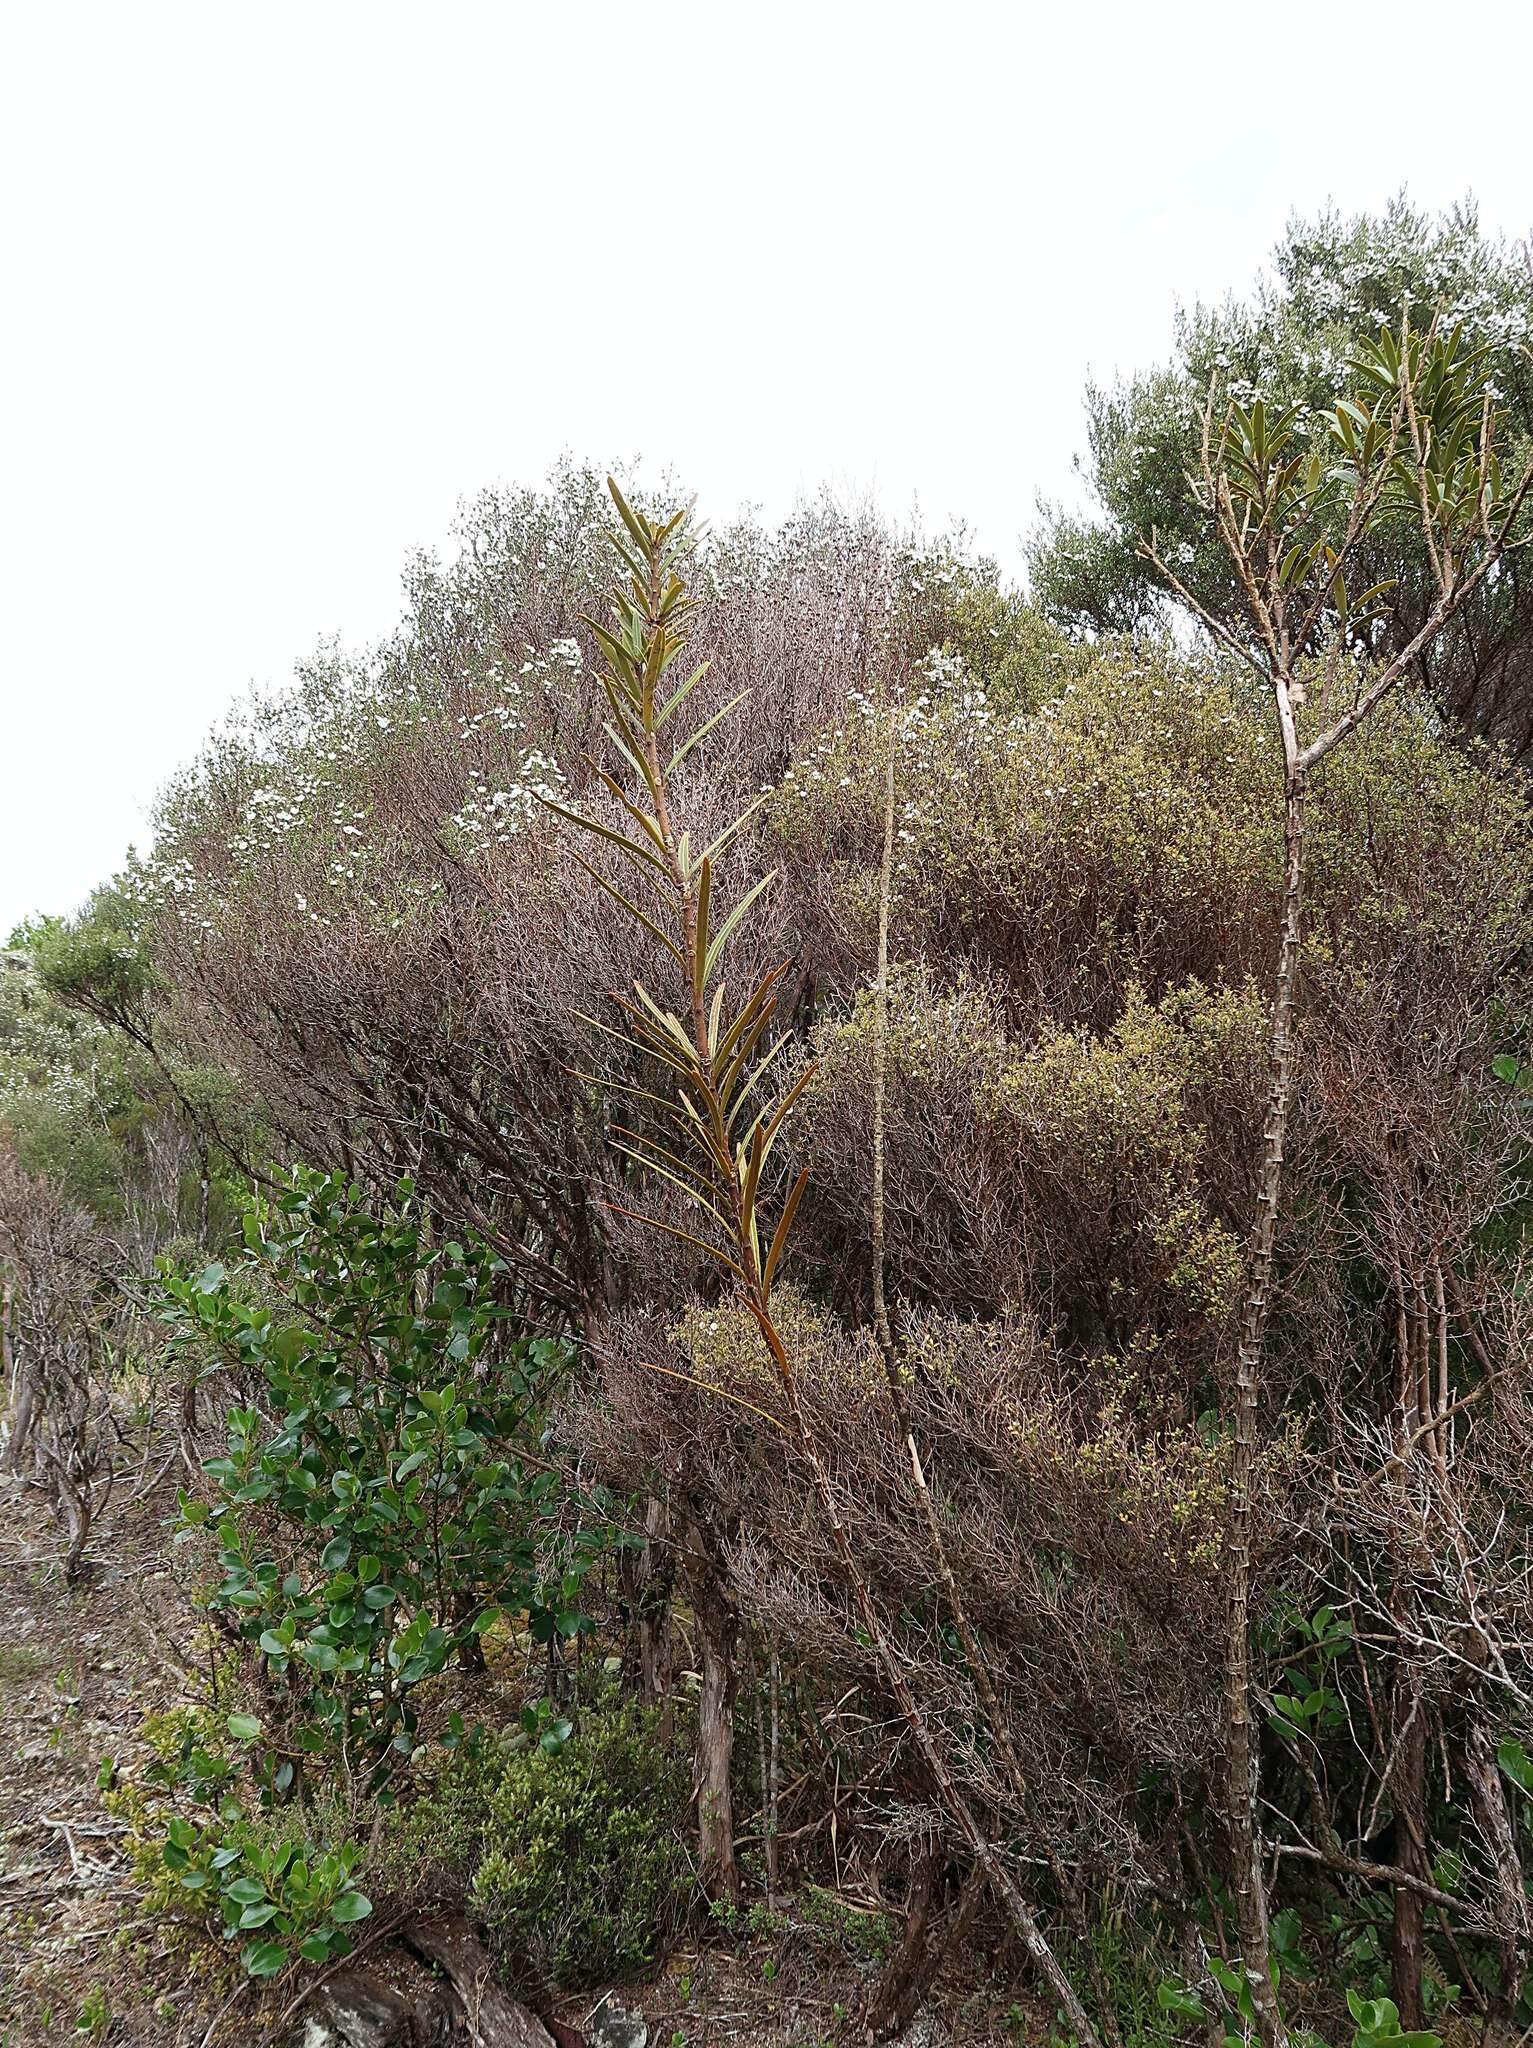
{"points": [[283, 283]]}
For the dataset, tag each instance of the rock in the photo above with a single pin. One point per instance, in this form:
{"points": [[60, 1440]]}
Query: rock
{"points": [[614, 2026], [926, 2030], [358, 2009]]}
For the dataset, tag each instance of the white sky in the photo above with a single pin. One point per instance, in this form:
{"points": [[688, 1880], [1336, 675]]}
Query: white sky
{"points": [[283, 283]]}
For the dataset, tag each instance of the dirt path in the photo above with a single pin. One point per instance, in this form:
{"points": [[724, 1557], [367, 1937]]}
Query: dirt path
{"points": [[79, 1669]]}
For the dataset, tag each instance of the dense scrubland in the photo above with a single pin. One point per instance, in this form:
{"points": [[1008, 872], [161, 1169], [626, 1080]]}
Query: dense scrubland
{"points": [[759, 1272]]}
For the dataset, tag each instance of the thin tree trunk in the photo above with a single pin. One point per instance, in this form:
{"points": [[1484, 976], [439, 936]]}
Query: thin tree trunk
{"points": [[718, 1637], [979, 1669], [654, 1579], [21, 1388], [1509, 1900], [766, 1754], [774, 1774], [1018, 1909], [897, 1991], [1247, 1877], [1408, 1782]]}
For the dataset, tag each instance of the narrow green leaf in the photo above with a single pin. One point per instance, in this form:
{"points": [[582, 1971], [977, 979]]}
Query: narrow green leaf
{"points": [[631, 907], [732, 922], [780, 1235], [604, 832], [704, 729], [730, 832], [679, 696], [700, 952]]}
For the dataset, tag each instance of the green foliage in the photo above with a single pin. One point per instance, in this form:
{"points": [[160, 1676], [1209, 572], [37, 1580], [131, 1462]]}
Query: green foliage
{"points": [[91, 1102], [72, 1095], [575, 1856], [1187, 2001], [1378, 2025], [280, 1883], [396, 1504], [1124, 1124], [1125, 1959], [1516, 1763], [1002, 643], [95, 961], [94, 2019], [1309, 1705], [867, 1936], [1295, 489], [1123, 830], [1335, 282], [730, 1096], [288, 1895]]}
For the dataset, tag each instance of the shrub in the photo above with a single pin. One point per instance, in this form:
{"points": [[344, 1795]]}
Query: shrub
{"points": [[279, 1882], [290, 1892], [387, 1516], [575, 1856]]}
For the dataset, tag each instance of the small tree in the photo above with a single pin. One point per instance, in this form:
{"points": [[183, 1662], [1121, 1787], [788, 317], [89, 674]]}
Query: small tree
{"points": [[1417, 435]]}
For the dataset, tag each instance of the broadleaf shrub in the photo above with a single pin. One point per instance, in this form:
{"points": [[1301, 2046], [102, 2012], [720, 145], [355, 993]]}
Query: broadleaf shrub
{"points": [[394, 1504]]}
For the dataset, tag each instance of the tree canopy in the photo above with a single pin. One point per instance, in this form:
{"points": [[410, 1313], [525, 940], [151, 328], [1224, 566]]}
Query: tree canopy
{"points": [[1333, 282]]}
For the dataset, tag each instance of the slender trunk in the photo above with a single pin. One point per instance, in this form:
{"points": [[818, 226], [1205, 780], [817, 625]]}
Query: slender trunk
{"points": [[1017, 1907], [20, 1383], [649, 1579], [766, 1756], [774, 1774], [73, 1498], [897, 1991], [896, 1996], [1409, 1782], [876, 1230], [471, 1657], [24, 1410], [1508, 1895], [656, 1663], [718, 1637], [1405, 1769], [1247, 1877], [20, 1386]]}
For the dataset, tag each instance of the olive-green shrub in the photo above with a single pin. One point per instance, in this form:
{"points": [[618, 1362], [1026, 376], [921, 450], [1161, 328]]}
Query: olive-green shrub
{"points": [[577, 1861]]}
